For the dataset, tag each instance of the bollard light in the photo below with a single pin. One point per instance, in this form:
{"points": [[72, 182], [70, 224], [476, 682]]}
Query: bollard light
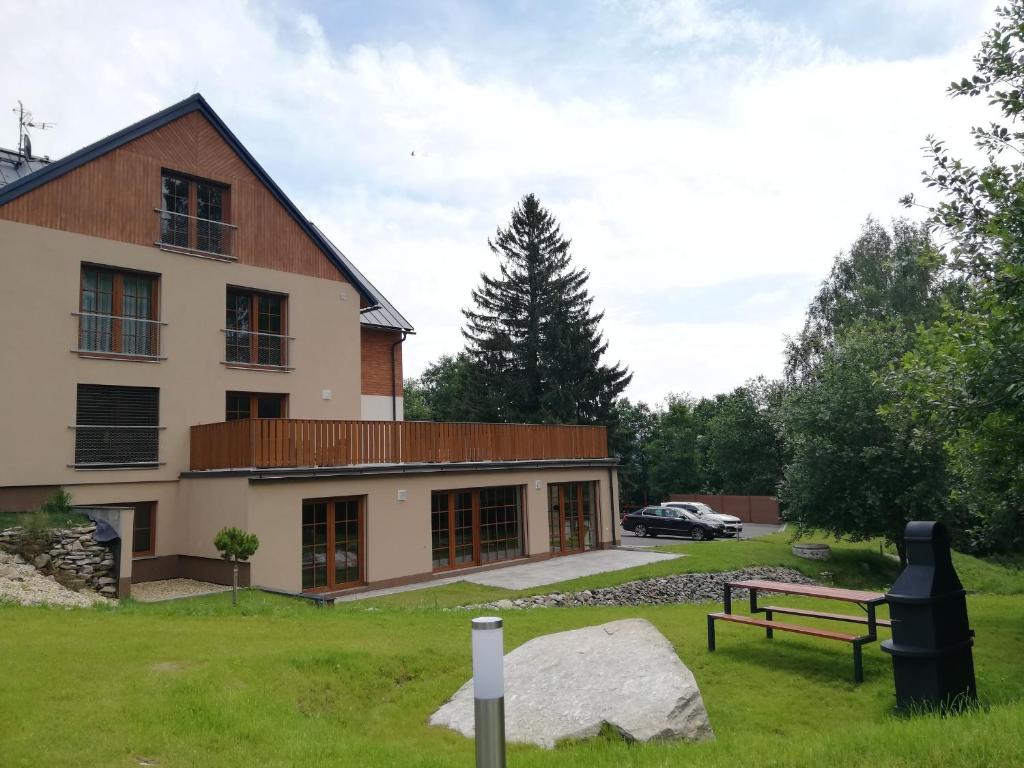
{"points": [[489, 691]]}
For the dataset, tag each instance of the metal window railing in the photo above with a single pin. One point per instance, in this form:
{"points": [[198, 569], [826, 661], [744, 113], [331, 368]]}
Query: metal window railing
{"points": [[271, 350], [191, 233], [118, 335], [104, 445]]}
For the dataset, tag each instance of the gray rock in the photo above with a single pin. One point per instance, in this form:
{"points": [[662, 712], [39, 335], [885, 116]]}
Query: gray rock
{"points": [[41, 561], [105, 580], [567, 685]]}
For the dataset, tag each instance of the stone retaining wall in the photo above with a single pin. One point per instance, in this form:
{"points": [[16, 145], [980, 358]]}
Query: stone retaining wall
{"points": [[71, 555]]}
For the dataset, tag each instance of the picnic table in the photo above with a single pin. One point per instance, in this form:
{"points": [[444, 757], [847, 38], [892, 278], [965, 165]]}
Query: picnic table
{"points": [[869, 601]]}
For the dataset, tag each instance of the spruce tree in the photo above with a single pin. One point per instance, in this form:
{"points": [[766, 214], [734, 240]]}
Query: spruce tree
{"points": [[533, 335]]}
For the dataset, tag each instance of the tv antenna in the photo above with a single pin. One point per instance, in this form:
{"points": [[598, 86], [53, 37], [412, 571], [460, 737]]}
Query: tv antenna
{"points": [[26, 121]]}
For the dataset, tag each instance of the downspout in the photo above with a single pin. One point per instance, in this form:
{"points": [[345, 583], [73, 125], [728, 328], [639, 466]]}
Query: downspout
{"points": [[611, 507], [394, 384]]}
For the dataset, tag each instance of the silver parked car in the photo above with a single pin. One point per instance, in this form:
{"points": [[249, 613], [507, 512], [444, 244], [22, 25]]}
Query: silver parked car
{"points": [[733, 525]]}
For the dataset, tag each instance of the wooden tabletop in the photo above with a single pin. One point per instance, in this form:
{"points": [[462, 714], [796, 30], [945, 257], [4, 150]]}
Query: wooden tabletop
{"points": [[810, 590]]}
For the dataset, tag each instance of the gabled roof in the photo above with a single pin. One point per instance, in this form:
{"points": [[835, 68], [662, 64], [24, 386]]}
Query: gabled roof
{"points": [[14, 165], [196, 103], [380, 313]]}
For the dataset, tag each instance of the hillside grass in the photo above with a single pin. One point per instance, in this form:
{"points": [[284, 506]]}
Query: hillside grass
{"points": [[280, 682], [41, 518]]}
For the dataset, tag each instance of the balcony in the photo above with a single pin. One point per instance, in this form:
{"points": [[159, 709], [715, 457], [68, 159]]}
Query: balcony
{"points": [[283, 443], [253, 349], [131, 338], [199, 237]]}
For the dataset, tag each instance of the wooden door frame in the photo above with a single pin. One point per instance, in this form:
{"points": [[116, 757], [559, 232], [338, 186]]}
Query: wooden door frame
{"points": [[581, 513], [521, 524], [331, 542], [474, 530]]}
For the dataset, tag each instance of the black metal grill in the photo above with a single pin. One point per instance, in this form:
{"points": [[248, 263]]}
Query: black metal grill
{"points": [[931, 638]]}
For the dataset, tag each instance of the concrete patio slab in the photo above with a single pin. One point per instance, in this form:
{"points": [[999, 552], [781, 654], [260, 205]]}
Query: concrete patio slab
{"points": [[530, 575], [557, 569]]}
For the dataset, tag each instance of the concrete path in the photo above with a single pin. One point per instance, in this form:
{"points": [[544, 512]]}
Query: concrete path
{"points": [[530, 575]]}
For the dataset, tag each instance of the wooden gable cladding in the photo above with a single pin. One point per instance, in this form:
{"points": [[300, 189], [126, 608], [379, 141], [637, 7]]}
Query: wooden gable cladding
{"points": [[114, 197], [376, 360]]}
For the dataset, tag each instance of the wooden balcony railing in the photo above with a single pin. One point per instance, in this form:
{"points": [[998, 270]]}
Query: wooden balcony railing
{"points": [[278, 443]]}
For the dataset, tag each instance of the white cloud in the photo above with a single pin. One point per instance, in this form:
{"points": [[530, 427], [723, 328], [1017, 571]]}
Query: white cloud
{"points": [[723, 165]]}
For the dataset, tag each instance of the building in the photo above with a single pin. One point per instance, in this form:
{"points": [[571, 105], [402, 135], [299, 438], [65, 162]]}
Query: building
{"points": [[185, 346]]}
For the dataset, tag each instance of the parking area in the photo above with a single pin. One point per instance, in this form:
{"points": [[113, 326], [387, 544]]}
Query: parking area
{"points": [[750, 531]]}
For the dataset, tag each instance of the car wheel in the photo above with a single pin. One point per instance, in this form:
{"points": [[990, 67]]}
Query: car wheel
{"points": [[640, 530], [697, 534]]}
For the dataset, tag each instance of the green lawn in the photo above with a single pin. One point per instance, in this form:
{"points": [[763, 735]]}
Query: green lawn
{"points": [[281, 682]]}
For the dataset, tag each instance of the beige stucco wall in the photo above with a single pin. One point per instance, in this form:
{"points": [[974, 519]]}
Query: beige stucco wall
{"points": [[165, 494], [39, 289], [380, 408], [396, 534]]}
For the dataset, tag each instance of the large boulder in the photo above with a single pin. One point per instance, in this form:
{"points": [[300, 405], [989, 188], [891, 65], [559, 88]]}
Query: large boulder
{"points": [[567, 685]]}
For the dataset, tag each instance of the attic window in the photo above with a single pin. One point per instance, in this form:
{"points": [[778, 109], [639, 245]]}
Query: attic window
{"points": [[193, 216]]}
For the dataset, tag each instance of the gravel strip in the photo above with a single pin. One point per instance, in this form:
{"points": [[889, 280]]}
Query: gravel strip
{"points": [[23, 584], [684, 588], [172, 589]]}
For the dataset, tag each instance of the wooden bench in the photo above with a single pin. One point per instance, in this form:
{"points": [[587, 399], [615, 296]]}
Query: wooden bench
{"points": [[770, 609], [856, 640], [868, 600]]}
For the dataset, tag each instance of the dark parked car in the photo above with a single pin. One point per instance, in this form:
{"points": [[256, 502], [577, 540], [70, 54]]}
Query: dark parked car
{"points": [[670, 521]]}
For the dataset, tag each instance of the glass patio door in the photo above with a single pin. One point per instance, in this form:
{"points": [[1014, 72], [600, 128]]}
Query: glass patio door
{"points": [[475, 526], [570, 517], [453, 529], [332, 544]]}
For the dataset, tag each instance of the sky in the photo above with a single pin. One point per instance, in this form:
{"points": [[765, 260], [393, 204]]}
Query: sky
{"points": [[708, 159]]}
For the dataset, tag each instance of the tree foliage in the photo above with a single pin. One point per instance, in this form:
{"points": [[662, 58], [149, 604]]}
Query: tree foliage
{"points": [[629, 440], [856, 471], [890, 277], [965, 378], [532, 335], [857, 468], [235, 545], [414, 401], [674, 465], [742, 450], [449, 389]]}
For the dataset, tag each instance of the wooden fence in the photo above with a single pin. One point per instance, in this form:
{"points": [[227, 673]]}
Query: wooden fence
{"points": [[273, 443]]}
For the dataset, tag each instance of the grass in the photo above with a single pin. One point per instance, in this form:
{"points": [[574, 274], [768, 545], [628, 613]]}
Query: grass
{"points": [[41, 518], [279, 682]]}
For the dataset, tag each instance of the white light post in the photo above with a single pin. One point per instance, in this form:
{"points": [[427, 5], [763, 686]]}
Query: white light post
{"points": [[489, 691]]}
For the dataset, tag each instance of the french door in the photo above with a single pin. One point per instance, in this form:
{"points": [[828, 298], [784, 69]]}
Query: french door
{"points": [[475, 526], [571, 517], [332, 544]]}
